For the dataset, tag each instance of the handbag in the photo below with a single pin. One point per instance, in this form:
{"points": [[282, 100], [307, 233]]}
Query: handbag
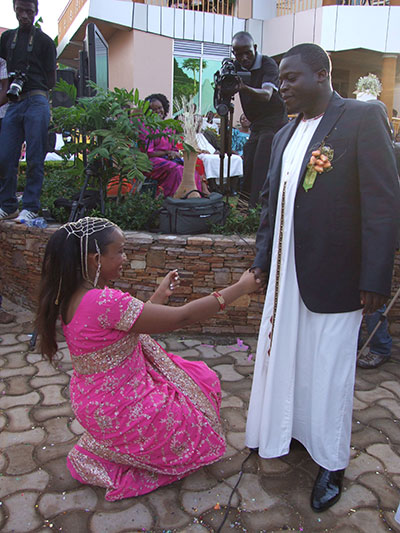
{"points": [[188, 216]]}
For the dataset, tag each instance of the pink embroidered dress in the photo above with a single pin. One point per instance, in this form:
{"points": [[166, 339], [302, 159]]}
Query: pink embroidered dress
{"points": [[150, 417]]}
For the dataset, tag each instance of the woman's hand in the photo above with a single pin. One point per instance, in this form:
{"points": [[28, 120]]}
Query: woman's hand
{"points": [[249, 282], [173, 155], [166, 288]]}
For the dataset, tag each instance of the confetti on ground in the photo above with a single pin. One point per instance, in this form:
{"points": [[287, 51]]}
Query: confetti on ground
{"points": [[250, 357], [217, 506]]}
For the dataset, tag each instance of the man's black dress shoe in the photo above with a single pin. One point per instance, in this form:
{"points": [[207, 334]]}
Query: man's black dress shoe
{"points": [[327, 489]]}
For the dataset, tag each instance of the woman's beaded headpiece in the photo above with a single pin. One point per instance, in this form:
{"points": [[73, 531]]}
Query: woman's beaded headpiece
{"points": [[82, 229]]}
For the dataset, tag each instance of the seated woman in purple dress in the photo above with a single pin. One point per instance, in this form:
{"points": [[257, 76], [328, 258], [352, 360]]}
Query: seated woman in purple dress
{"points": [[164, 156], [150, 417]]}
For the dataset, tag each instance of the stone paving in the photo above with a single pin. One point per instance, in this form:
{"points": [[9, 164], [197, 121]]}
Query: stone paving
{"points": [[37, 429]]}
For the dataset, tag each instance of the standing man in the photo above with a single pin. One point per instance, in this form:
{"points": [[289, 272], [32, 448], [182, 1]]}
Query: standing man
{"points": [[263, 106], [327, 239], [31, 55]]}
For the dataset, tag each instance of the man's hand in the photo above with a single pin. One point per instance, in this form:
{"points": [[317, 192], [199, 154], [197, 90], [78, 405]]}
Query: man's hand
{"points": [[260, 276], [371, 301]]}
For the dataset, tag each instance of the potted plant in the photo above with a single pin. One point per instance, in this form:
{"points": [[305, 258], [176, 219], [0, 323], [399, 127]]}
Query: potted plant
{"points": [[368, 88]]}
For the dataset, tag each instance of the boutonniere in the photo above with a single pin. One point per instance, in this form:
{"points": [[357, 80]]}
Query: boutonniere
{"points": [[320, 161]]}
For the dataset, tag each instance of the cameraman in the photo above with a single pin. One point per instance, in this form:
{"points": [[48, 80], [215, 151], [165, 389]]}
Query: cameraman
{"points": [[263, 106], [31, 64]]}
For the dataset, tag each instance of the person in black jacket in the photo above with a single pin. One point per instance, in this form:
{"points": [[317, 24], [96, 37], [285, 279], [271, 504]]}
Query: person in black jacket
{"points": [[263, 106], [327, 238]]}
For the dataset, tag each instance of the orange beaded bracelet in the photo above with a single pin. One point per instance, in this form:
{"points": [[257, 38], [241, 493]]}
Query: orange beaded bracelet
{"points": [[220, 299]]}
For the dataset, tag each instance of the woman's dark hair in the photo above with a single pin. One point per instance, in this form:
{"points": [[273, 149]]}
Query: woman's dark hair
{"points": [[61, 277], [161, 98], [36, 2]]}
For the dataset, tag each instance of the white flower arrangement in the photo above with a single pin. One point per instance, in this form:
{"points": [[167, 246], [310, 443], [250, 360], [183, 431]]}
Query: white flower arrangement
{"points": [[191, 122], [369, 84]]}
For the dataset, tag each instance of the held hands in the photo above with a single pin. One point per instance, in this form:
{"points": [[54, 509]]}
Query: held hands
{"points": [[260, 275], [166, 288], [371, 301], [249, 283], [173, 155]]}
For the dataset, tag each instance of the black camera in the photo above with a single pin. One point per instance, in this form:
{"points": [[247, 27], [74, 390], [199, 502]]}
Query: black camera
{"points": [[226, 85], [18, 79]]}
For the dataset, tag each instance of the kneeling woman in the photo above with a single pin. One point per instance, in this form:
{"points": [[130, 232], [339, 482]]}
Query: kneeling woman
{"points": [[150, 417]]}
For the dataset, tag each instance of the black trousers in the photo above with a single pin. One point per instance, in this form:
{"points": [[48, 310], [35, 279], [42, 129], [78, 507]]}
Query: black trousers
{"points": [[256, 155]]}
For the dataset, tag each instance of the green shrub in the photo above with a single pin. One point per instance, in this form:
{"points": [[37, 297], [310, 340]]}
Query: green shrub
{"points": [[239, 222]]}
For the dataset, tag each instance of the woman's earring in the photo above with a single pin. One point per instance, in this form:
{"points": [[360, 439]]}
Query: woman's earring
{"points": [[96, 278]]}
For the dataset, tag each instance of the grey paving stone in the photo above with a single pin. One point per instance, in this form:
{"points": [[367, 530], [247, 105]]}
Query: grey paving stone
{"points": [[392, 405], [52, 395], [30, 398], [76, 428], [193, 528], [8, 340], [21, 371], [361, 464], [21, 510], [367, 520], [17, 358], [165, 504], [20, 459], [213, 519], [3, 421], [366, 437], [197, 503], [45, 369], [137, 517], [58, 430], [52, 504], [227, 373], [225, 468], [19, 419], [200, 480], [387, 493], [386, 455], [44, 454], [41, 413], [373, 412], [60, 477], [277, 518], [18, 385], [59, 379], [36, 480], [273, 466], [32, 436], [371, 396], [389, 428], [71, 522], [233, 418]]}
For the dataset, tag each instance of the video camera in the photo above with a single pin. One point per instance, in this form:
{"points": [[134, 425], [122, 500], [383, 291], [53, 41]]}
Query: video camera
{"points": [[227, 83], [18, 80]]}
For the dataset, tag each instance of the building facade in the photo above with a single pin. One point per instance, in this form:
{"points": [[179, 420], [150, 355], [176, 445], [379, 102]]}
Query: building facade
{"points": [[175, 46]]}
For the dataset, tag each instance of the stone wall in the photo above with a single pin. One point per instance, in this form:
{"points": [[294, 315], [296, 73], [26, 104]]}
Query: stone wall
{"points": [[205, 263]]}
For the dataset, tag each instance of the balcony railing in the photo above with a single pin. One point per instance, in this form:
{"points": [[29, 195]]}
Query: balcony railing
{"points": [[287, 7], [68, 16], [222, 7]]}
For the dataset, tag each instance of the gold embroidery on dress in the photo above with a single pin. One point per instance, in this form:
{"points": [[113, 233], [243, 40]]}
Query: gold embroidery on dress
{"points": [[130, 315], [106, 358], [162, 363], [92, 471], [278, 265]]}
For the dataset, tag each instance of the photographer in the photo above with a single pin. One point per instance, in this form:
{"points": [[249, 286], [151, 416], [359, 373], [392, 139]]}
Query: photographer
{"points": [[31, 64], [263, 106]]}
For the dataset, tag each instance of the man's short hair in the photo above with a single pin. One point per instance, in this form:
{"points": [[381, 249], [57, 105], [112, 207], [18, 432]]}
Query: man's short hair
{"points": [[36, 2], [243, 35], [312, 55]]}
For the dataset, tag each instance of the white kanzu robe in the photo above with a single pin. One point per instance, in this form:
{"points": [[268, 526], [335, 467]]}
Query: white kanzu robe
{"points": [[305, 364]]}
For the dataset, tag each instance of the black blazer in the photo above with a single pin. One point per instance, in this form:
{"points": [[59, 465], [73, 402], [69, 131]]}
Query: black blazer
{"points": [[346, 226]]}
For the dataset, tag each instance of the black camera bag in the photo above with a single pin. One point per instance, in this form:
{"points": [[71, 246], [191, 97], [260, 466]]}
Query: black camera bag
{"points": [[188, 216]]}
